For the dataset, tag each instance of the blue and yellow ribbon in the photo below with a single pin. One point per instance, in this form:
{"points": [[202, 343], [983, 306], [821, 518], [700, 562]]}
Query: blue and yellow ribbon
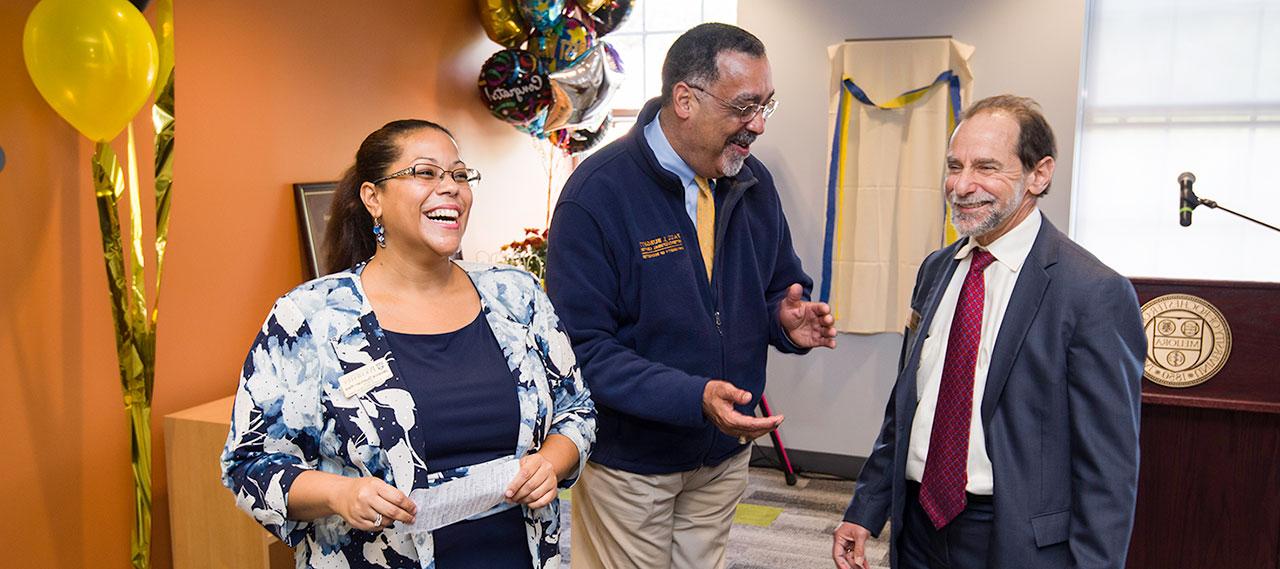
{"points": [[850, 92]]}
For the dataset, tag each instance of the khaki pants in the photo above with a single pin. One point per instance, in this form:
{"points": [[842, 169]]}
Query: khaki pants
{"points": [[623, 520]]}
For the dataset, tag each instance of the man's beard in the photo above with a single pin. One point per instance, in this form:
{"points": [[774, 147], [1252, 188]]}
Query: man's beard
{"points": [[732, 161], [974, 225], [733, 164]]}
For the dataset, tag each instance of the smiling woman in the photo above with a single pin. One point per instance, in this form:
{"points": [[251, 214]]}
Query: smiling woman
{"points": [[405, 371]]}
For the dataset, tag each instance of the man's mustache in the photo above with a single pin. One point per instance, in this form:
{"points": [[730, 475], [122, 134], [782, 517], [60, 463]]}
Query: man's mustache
{"points": [[743, 138]]}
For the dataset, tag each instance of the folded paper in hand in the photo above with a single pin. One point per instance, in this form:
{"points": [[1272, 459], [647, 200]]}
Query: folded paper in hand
{"points": [[482, 488]]}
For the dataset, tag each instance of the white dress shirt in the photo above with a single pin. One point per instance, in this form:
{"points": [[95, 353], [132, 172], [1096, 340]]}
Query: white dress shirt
{"points": [[1010, 251]]}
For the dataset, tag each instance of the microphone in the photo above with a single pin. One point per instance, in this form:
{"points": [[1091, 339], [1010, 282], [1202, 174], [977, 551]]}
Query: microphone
{"points": [[1187, 200]]}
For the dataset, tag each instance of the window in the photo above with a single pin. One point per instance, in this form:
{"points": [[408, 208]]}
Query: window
{"points": [[1172, 87], [644, 38], [642, 42]]}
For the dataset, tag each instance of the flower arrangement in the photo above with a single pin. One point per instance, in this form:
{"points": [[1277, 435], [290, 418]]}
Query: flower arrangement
{"points": [[529, 254]]}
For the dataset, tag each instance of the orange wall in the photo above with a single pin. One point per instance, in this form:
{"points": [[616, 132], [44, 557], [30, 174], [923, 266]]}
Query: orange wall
{"points": [[268, 94]]}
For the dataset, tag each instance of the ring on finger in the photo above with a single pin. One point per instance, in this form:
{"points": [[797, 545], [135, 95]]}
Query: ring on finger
{"points": [[378, 520]]}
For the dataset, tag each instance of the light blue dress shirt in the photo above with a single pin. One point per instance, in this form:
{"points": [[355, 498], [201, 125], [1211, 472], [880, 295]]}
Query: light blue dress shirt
{"points": [[673, 163]]}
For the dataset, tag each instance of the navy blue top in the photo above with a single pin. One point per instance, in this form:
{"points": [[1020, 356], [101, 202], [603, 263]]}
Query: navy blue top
{"points": [[467, 404], [627, 279]]}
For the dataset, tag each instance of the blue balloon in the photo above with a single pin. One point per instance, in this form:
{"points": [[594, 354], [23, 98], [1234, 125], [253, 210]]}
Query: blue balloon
{"points": [[542, 14], [563, 44], [534, 127]]}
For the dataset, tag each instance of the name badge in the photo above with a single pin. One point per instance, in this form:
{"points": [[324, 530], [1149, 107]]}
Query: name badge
{"points": [[913, 321], [369, 376]]}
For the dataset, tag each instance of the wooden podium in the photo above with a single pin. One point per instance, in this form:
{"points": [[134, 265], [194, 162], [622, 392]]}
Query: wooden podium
{"points": [[1209, 483], [208, 530]]}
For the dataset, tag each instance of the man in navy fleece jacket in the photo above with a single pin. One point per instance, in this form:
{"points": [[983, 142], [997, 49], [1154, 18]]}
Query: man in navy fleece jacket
{"points": [[671, 267]]}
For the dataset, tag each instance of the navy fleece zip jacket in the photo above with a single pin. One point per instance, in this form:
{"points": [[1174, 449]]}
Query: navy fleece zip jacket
{"points": [[627, 279]]}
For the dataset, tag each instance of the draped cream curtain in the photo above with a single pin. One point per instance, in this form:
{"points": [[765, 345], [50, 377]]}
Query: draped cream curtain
{"points": [[892, 107]]}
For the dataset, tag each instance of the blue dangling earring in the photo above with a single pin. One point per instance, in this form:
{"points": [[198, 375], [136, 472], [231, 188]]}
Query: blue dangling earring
{"points": [[380, 233]]}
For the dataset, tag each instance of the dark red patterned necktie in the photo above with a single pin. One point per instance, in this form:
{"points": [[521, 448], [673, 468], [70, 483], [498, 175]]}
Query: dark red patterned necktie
{"points": [[946, 467]]}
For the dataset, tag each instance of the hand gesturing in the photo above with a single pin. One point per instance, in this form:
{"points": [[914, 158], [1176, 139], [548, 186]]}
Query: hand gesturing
{"points": [[808, 324]]}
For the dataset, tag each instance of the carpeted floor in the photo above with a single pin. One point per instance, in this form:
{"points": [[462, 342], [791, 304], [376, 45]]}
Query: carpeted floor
{"points": [[779, 526]]}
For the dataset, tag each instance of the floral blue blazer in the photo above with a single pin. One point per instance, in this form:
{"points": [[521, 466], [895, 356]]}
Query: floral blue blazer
{"points": [[290, 415]]}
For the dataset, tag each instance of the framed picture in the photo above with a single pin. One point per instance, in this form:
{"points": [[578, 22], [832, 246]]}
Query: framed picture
{"points": [[313, 201]]}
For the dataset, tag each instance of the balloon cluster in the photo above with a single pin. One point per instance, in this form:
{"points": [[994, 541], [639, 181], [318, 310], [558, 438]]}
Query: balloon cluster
{"points": [[94, 61], [556, 76]]}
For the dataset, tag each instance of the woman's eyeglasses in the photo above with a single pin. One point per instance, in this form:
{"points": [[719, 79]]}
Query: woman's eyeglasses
{"points": [[432, 174]]}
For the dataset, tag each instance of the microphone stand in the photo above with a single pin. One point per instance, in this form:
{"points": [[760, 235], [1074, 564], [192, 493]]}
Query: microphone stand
{"points": [[1195, 201]]}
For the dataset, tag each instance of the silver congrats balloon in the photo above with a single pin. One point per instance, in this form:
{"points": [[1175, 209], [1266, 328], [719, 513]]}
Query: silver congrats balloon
{"points": [[560, 109], [589, 85]]}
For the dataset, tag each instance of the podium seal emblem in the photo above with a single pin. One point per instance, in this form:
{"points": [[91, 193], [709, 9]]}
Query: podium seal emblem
{"points": [[1188, 340]]}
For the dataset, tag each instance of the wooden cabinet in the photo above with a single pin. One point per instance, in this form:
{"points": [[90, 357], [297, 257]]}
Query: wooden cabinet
{"points": [[208, 530]]}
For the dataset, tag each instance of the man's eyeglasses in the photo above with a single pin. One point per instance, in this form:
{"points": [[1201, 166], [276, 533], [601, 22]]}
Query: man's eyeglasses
{"points": [[433, 175], [744, 113]]}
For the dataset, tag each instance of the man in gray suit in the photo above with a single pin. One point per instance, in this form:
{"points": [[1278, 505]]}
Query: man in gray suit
{"points": [[1010, 439]]}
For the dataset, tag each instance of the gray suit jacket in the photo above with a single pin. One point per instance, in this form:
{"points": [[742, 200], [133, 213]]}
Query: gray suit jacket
{"points": [[1060, 413]]}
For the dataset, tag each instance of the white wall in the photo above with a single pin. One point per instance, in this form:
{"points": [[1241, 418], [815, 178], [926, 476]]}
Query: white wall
{"points": [[834, 400]]}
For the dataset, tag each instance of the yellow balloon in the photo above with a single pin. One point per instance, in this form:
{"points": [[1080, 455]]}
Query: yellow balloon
{"points": [[94, 61], [502, 22]]}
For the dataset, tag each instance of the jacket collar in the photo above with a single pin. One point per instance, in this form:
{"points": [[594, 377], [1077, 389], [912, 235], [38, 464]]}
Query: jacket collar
{"points": [[508, 311], [491, 301], [745, 178], [1028, 292], [1024, 303]]}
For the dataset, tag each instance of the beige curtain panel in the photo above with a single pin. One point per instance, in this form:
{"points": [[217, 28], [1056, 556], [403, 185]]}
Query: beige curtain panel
{"points": [[890, 115]]}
